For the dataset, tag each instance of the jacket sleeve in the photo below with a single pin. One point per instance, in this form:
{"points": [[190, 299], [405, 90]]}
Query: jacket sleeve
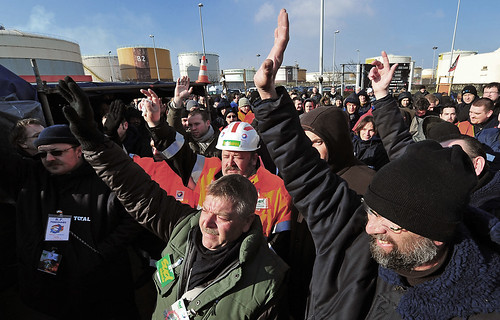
{"points": [[319, 194], [391, 127], [142, 197], [175, 148]]}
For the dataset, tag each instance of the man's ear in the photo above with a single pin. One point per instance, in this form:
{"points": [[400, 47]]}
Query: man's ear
{"points": [[489, 113], [125, 125], [479, 163]]}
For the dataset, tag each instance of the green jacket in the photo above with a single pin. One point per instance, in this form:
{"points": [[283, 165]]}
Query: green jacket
{"points": [[251, 288], [246, 289]]}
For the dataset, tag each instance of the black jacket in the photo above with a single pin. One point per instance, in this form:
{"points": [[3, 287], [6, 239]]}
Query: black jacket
{"points": [[371, 152], [88, 284], [344, 277]]}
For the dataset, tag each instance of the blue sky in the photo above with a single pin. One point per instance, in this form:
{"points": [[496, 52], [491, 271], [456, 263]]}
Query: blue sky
{"points": [[238, 30]]}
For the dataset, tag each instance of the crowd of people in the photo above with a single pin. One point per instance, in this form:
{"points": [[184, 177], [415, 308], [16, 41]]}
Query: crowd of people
{"points": [[275, 205]]}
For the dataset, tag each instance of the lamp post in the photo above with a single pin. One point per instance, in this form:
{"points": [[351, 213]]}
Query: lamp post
{"points": [[156, 58], [110, 66], [433, 59], [453, 41], [334, 53], [200, 5], [321, 33], [297, 75], [258, 61]]}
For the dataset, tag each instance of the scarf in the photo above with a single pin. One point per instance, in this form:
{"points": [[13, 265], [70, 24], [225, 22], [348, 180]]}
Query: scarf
{"points": [[470, 284]]}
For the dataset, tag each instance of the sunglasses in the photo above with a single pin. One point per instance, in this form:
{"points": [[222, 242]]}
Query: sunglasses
{"points": [[54, 153]]}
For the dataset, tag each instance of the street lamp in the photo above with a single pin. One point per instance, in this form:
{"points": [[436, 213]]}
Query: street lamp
{"points": [[156, 58], [357, 50], [258, 61], [433, 58], [453, 41], [334, 53], [201, 24], [297, 75], [110, 67]]}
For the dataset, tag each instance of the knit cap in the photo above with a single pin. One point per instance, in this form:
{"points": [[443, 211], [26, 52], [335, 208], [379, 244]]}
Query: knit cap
{"points": [[469, 89], [425, 190], [59, 133]]}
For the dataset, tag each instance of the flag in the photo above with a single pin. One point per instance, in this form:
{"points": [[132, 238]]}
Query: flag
{"points": [[454, 65]]}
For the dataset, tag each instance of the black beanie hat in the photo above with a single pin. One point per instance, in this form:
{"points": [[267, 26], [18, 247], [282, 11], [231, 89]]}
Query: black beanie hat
{"points": [[469, 89], [59, 133], [425, 190], [437, 130]]}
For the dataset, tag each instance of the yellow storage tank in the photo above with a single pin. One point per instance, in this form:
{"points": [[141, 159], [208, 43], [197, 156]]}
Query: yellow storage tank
{"points": [[139, 64]]}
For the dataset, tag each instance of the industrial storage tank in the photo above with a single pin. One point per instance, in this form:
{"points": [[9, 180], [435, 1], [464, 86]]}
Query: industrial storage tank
{"points": [[102, 68], [139, 64], [189, 65], [56, 58]]}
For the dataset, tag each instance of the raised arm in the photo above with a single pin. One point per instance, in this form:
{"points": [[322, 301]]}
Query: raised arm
{"points": [[390, 124], [141, 197], [266, 75]]}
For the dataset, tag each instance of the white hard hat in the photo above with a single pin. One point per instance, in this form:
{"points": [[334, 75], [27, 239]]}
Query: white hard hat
{"points": [[238, 136]]}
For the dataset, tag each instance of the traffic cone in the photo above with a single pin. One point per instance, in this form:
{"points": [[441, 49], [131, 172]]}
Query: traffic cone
{"points": [[203, 75]]}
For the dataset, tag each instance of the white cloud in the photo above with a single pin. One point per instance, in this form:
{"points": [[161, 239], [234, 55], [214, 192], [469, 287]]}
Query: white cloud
{"points": [[40, 20], [265, 12]]}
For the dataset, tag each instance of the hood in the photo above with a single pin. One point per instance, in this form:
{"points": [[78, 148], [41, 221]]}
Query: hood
{"points": [[331, 125]]}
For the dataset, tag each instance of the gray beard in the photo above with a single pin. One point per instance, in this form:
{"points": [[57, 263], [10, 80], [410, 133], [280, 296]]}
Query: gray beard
{"points": [[407, 258]]}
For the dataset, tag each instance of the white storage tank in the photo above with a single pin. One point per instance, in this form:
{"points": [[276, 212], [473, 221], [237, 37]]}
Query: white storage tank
{"points": [[55, 57], [189, 65], [471, 68], [103, 68]]}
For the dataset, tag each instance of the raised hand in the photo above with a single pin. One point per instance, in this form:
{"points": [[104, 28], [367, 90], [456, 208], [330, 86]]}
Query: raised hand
{"points": [[381, 76], [266, 75], [114, 118], [151, 108], [182, 91], [80, 115]]}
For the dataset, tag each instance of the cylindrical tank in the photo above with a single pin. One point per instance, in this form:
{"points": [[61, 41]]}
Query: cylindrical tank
{"points": [[236, 75], [189, 65], [55, 58], [104, 68], [392, 59], [139, 64]]}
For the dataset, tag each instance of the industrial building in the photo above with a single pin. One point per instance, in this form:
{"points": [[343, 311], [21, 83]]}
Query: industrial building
{"points": [[471, 68], [102, 68], [139, 64], [189, 65], [56, 58]]}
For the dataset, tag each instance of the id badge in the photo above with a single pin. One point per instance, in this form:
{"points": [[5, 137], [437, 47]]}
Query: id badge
{"points": [[49, 262], [262, 203], [58, 228], [165, 272], [179, 308]]}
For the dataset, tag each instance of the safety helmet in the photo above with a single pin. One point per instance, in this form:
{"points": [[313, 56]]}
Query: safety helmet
{"points": [[238, 136]]}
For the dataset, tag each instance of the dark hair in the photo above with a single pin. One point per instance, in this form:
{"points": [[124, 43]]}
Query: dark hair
{"points": [[431, 98], [18, 133], [309, 100], [361, 124], [422, 104], [492, 85], [238, 190], [487, 103], [202, 112]]}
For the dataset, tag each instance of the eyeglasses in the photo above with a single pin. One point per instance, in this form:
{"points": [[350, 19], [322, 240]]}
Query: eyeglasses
{"points": [[54, 153], [372, 213]]}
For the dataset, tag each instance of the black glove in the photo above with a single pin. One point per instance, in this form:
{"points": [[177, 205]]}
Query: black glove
{"points": [[80, 115], [114, 119]]}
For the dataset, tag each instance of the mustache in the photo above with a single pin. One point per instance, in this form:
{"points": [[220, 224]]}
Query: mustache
{"points": [[210, 231], [233, 168]]}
